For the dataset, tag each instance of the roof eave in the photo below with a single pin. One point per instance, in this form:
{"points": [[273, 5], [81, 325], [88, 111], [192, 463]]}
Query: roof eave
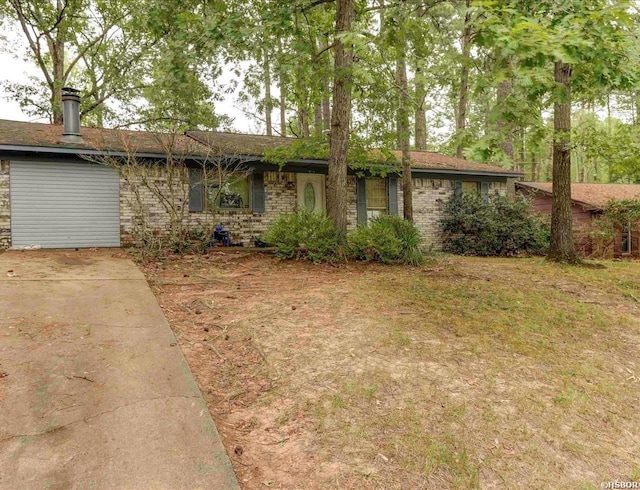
{"points": [[87, 151], [487, 173], [584, 205], [246, 157]]}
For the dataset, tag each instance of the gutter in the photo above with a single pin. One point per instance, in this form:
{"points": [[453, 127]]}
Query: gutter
{"points": [[86, 151]]}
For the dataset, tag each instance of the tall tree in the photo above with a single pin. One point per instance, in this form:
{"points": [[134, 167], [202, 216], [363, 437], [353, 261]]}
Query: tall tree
{"points": [[268, 103], [465, 42], [59, 35], [340, 115], [564, 46], [420, 115], [404, 109], [561, 248]]}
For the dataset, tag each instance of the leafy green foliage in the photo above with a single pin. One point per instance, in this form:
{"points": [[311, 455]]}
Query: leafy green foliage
{"points": [[621, 212], [617, 216], [374, 242], [305, 235], [497, 225], [377, 162], [387, 239], [312, 236]]}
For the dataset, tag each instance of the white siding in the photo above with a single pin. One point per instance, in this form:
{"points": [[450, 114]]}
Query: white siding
{"points": [[64, 205]]}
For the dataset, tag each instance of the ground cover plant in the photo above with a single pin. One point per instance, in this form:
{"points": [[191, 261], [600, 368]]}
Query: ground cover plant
{"points": [[466, 373], [312, 236]]}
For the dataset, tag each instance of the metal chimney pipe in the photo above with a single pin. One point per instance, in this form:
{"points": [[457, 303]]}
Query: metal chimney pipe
{"points": [[71, 115]]}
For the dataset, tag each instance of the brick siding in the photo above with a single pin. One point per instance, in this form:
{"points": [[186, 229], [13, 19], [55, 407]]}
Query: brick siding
{"points": [[5, 206], [429, 196]]}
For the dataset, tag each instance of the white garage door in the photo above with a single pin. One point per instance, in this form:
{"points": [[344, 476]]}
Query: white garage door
{"points": [[64, 205]]}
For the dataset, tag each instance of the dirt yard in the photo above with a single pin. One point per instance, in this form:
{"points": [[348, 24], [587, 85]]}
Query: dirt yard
{"points": [[466, 373]]}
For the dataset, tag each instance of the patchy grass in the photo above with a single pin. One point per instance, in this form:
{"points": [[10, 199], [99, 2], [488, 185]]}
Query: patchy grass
{"points": [[467, 373]]}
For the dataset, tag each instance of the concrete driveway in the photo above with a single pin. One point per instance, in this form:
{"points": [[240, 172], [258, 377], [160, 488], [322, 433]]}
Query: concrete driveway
{"points": [[94, 390]]}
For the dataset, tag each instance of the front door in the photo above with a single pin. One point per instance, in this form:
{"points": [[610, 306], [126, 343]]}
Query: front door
{"points": [[311, 192]]}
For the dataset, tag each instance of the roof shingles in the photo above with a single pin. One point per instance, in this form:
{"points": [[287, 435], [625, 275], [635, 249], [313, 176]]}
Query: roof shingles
{"points": [[199, 143], [590, 195], [20, 133]]}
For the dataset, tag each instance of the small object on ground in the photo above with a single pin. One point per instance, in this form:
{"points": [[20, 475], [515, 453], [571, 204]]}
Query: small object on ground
{"points": [[3, 374], [173, 344], [214, 350], [260, 243], [11, 273], [238, 450], [294, 307], [221, 236], [206, 329], [198, 312]]}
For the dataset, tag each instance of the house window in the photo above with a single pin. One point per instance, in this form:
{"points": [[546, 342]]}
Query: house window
{"points": [[626, 239], [469, 187], [376, 197], [232, 194]]}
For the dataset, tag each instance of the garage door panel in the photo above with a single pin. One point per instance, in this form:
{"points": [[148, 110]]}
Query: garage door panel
{"points": [[64, 205]]}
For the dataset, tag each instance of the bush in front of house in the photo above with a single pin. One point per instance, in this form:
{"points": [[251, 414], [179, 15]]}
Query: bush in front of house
{"points": [[312, 236], [387, 239], [493, 226], [304, 234]]}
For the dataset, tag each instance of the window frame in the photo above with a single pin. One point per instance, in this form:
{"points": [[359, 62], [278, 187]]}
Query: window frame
{"points": [[206, 206], [385, 182]]}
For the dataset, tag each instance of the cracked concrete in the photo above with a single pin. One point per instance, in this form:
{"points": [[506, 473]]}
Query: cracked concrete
{"points": [[97, 392]]}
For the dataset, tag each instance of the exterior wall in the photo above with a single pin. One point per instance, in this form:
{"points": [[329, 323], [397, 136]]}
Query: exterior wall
{"points": [[429, 197], [583, 225], [5, 206], [281, 197]]}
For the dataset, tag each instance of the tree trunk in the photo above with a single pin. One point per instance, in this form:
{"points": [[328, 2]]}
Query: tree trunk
{"points": [[283, 107], [534, 168], [505, 129], [521, 163], [57, 58], [303, 120], [317, 121], [420, 114], [562, 249], [326, 99], [461, 120], [268, 104], [403, 117], [340, 118], [57, 52]]}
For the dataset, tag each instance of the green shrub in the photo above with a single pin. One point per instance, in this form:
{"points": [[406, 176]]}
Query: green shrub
{"points": [[388, 239], [306, 235], [496, 225], [374, 242]]}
